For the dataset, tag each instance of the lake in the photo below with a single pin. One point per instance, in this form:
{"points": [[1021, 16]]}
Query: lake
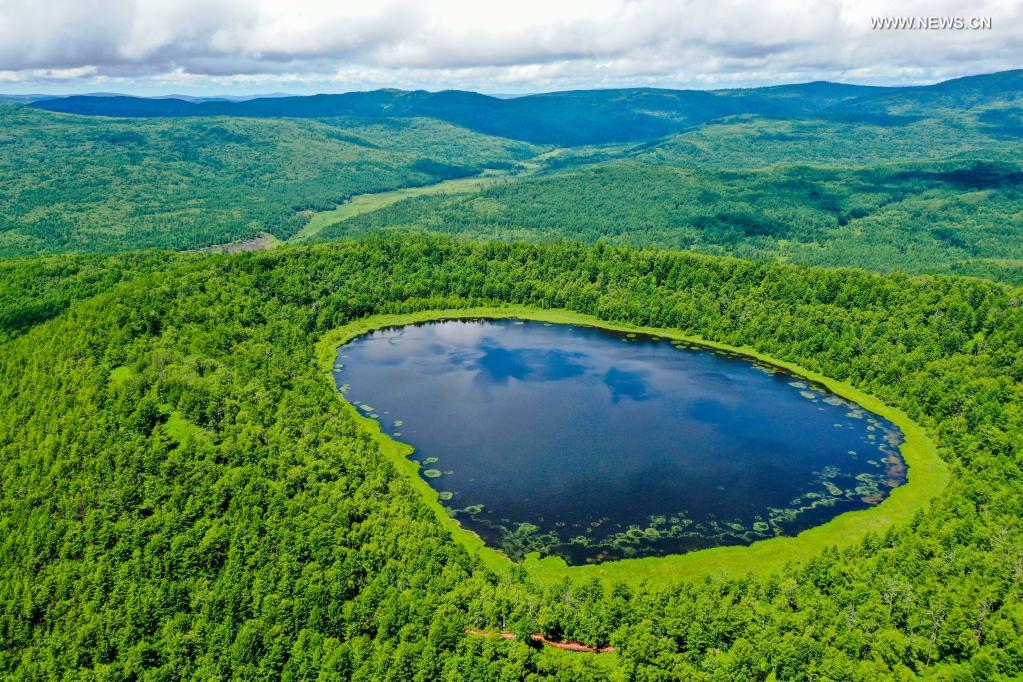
{"points": [[596, 445]]}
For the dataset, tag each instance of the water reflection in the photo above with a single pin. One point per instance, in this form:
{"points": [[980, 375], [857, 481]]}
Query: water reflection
{"points": [[628, 384], [497, 363]]}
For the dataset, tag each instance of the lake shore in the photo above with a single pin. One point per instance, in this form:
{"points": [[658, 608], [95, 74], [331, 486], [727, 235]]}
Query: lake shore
{"points": [[927, 472]]}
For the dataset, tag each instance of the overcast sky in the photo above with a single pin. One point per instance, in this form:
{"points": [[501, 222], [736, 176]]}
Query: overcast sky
{"points": [[301, 46]]}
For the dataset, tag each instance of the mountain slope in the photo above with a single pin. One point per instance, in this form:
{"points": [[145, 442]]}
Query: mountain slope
{"points": [[95, 184], [586, 116], [971, 92], [951, 216], [562, 118]]}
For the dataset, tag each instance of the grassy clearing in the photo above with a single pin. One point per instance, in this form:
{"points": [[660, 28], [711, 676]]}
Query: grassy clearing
{"points": [[179, 428], [122, 375], [927, 473], [176, 425], [366, 203]]}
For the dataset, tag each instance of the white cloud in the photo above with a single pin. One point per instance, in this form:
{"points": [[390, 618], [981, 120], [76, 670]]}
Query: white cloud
{"points": [[525, 45]]}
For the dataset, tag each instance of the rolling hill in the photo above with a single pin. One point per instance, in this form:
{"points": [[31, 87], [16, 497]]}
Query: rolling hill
{"points": [[949, 216], [73, 183], [574, 117], [818, 173], [561, 118]]}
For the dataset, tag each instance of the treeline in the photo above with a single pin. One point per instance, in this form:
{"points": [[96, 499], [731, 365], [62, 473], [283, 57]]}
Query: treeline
{"points": [[74, 184], [180, 495], [596, 117], [940, 217]]}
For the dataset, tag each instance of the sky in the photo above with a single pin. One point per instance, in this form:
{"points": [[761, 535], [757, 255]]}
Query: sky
{"points": [[244, 47]]}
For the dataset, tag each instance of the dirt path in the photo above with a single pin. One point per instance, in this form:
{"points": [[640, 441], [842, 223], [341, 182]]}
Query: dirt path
{"points": [[564, 645]]}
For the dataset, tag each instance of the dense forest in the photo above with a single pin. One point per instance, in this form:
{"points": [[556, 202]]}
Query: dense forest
{"points": [[596, 117], [180, 496], [915, 217], [184, 496], [72, 183], [920, 180]]}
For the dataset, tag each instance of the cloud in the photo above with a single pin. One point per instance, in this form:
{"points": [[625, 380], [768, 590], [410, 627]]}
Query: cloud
{"points": [[515, 46]]}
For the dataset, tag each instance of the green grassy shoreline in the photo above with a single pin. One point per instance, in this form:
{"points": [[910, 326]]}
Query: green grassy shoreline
{"points": [[926, 477]]}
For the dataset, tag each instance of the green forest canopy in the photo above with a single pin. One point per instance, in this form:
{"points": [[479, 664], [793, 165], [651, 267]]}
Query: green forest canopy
{"points": [[181, 496], [73, 183], [950, 216], [914, 179]]}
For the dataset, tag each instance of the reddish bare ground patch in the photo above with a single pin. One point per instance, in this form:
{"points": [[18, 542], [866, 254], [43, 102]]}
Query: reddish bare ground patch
{"points": [[564, 645]]}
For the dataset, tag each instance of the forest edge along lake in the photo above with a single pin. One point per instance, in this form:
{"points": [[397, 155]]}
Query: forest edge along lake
{"points": [[927, 473]]}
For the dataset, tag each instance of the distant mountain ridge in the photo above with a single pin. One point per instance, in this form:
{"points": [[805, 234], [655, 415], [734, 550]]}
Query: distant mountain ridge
{"points": [[583, 117]]}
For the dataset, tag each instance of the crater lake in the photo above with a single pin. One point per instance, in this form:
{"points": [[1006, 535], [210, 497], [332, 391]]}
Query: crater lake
{"points": [[597, 445]]}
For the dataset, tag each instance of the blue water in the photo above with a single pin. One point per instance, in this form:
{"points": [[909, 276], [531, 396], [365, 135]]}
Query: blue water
{"points": [[594, 445]]}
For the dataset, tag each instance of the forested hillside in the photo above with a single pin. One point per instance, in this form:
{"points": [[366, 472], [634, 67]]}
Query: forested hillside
{"points": [[582, 117], [181, 495], [759, 142], [72, 183], [626, 341], [920, 179], [953, 216], [913, 179], [34, 290], [561, 118]]}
